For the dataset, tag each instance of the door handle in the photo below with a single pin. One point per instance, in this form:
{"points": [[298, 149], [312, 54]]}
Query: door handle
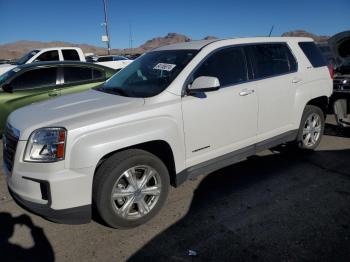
{"points": [[246, 92], [54, 93], [296, 80]]}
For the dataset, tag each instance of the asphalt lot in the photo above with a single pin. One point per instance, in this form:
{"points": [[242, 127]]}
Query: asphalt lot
{"points": [[278, 206]]}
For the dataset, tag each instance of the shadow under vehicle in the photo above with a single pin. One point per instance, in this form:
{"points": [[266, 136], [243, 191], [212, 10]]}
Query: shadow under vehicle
{"points": [[284, 206]]}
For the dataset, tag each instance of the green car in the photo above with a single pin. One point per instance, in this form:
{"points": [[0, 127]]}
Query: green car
{"points": [[29, 83]]}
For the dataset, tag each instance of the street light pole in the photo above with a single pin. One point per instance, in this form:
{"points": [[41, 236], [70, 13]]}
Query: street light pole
{"points": [[106, 27], [130, 38]]}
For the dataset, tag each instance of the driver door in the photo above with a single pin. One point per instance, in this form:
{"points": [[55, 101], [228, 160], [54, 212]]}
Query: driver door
{"points": [[219, 122]]}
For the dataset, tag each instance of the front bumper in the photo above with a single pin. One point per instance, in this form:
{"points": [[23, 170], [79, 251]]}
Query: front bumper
{"points": [[51, 190], [76, 215]]}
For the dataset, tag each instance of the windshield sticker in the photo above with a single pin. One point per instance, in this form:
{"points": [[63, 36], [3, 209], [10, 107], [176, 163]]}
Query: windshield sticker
{"points": [[164, 66], [16, 69]]}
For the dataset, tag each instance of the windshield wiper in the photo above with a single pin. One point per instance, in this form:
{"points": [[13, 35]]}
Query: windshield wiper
{"points": [[114, 90]]}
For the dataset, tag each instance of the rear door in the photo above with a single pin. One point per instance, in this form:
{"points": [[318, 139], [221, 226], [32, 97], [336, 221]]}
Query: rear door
{"points": [[276, 76], [81, 78]]}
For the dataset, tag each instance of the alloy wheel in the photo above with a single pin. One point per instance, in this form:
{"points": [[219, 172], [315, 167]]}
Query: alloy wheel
{"points": [[136, 192], [312, 130]]}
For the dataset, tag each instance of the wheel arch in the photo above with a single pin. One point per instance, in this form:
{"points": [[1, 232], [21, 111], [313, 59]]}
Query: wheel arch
{"points": [[321, 102], [159, 148]]}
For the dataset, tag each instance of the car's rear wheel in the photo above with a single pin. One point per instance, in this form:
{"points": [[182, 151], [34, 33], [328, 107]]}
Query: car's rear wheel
{"points": [[311, 128], [130, 188]]}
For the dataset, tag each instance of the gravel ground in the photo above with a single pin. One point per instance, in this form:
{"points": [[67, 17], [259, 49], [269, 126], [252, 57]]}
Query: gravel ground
{"points": [[277, 206]]}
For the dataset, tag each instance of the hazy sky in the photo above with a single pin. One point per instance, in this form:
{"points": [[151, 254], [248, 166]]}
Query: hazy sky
{"points": [[80, 21]]}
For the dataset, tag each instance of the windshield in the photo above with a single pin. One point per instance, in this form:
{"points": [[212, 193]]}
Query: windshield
{"points": [[347, 63], [26, 57], [150, 74], [5, 76]]}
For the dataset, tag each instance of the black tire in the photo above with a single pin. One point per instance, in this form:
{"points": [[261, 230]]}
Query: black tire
{"points": [[109, 173], [309, 111]]}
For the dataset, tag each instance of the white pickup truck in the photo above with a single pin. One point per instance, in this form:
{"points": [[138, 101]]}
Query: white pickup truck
{"points": [[47, 54]]}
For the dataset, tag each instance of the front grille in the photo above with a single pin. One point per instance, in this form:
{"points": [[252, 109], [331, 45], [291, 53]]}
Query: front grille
{"points": [[10, 140]]}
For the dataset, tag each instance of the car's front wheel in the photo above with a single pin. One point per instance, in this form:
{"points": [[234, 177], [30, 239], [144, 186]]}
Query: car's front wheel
{"points": [[130, 188]]}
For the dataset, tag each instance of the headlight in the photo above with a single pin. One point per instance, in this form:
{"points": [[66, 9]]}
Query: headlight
{"points": [[46, 145]]}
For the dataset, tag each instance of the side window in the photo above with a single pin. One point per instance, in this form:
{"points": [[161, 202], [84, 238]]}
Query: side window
{"points": [[105, 59], [48, 56], [271, 60], [313, 54], [73, 74], [98, 74], [36, 78], [228, 65], [70, 55], [118, 58]]}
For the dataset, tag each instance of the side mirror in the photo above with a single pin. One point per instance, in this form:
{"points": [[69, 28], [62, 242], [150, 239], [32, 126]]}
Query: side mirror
{"points": [[204, 84], [7, 88]]}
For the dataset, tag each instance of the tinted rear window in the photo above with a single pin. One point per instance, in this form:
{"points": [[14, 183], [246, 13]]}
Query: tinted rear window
{"points": [[98, 74], [313, 54], [70, 55], [272, 60], [77, 74]]}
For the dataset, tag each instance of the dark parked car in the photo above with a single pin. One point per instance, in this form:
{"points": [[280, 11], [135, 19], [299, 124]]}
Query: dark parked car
{"points": [[29, 83], [339, 45]]}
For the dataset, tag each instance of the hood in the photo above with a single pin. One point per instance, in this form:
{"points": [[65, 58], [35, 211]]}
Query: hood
{"points": [[340, 46], [72, 111], [5, 67]]}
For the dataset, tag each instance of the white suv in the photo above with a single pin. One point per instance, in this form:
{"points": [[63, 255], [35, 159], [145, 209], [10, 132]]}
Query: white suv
{"points": [[176, 112]]}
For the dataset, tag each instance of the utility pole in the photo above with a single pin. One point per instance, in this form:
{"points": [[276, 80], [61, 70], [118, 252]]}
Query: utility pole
{"points": [[106, 37], [130, 38]]}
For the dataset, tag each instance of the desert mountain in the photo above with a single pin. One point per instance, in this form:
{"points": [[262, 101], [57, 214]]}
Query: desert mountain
{"points": [[302, 33], [170, 38], [17, 49]]}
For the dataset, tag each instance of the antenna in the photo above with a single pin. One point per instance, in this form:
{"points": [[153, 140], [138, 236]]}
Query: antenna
{"points": [[271, 30]]}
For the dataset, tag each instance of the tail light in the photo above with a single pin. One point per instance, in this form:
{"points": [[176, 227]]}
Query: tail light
{"points": [[331, 70]]}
